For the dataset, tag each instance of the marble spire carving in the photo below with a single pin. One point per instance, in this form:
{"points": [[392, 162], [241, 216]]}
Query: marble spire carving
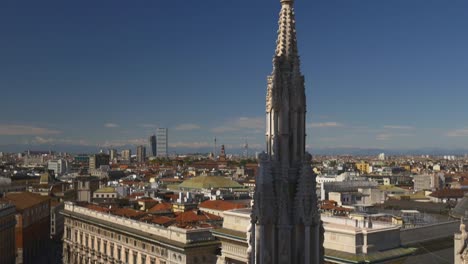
{"points": [[285, 222]]}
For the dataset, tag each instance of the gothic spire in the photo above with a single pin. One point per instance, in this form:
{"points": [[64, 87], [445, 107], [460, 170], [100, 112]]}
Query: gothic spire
{"points": [[285, 218], [285, 100], [286, 44]]}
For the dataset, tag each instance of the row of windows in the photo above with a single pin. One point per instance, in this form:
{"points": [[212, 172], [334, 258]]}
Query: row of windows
{"points": [[36, 210], [84, 259], [97, 195], [119, 250], [121, 255], [78, 237]]}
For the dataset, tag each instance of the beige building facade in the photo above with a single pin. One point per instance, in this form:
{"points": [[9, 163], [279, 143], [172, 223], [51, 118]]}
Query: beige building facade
{"points": [[233, 236], [359, 236], [98, 237]]}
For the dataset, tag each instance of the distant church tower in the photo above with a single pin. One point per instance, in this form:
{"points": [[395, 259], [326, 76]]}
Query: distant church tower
{"points": [[286, 226]]}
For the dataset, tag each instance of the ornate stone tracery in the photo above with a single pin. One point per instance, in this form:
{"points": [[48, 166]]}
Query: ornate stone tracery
{"points": [[285, 223]]}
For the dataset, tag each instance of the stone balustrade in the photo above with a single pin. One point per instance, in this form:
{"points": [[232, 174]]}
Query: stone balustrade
{"points": [[173, 233]]}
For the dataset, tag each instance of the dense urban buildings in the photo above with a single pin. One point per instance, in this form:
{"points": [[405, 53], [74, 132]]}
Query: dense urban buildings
{"points": [[7, 233], [413, 199], [285, 218], [162, 142]]}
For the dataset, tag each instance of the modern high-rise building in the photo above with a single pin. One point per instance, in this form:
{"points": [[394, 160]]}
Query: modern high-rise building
{"points": [[113, 154], [95, 161], [161, 142], [126, 154], [141, 154], [152, 142], [286, 225], [59, 166]]}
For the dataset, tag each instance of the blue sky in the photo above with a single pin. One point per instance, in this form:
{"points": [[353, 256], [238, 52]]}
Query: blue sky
{"points": [[379, 74]]}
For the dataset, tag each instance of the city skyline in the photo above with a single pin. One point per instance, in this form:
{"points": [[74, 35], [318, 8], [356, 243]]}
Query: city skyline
{"points": [[381, 75]]}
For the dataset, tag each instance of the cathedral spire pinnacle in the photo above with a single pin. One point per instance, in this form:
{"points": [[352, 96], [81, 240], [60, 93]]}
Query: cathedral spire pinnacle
{"points": [[286, 44], [286, 225], [286, 94]]}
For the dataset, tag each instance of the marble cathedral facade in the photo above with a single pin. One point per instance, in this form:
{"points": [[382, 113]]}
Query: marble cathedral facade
{"points": [[285, 221]]}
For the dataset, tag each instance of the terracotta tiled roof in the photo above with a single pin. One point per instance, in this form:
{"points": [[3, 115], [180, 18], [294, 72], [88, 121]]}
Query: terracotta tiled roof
{"points": [[195, 216], [221, 205], [332, 205], [327, 206], [172, 197], [161, 207], [96, 208], [128, 213], [24, 200], [159, 220], [130, 182], [332, 202]]}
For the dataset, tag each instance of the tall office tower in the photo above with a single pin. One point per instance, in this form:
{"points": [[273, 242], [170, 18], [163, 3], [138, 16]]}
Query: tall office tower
{"points": [[286, 226], [113, 154], [152, 141], [95, 161], [126, 154], [141, 154], [161, 142]]}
